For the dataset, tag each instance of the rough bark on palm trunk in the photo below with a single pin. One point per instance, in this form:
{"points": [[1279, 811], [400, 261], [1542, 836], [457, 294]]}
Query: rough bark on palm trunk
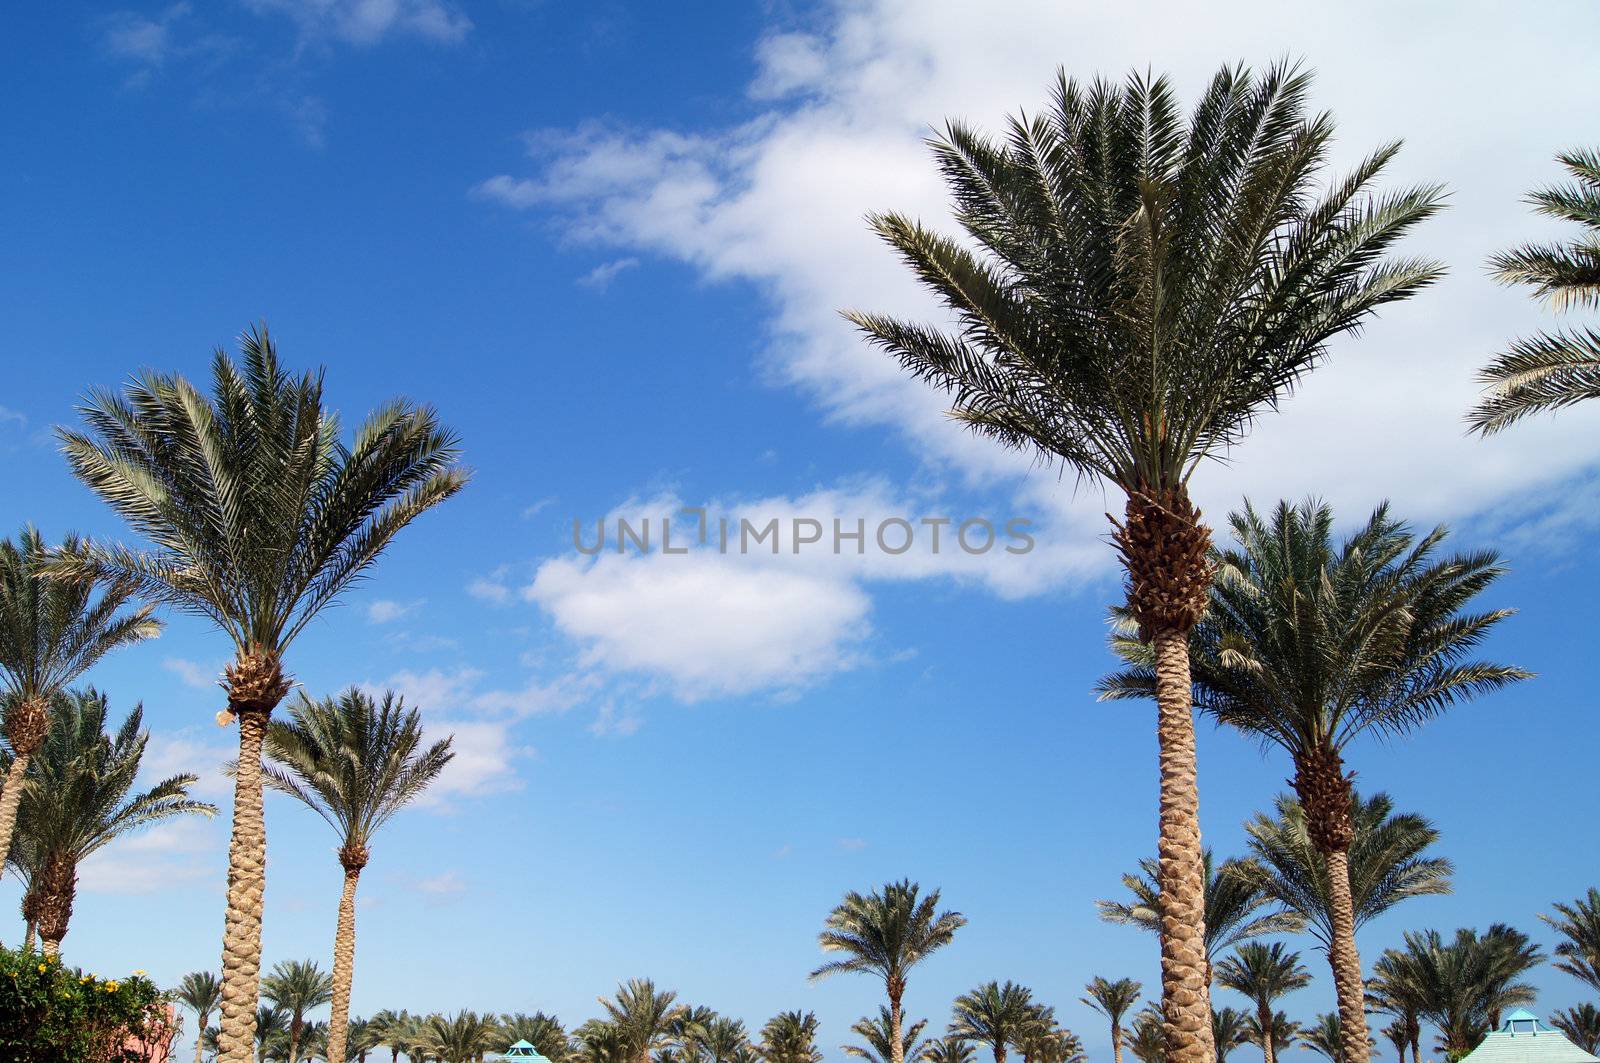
{"points": [[1165, 550], [897, 1047], [1325, 795], [26, 728], [57, 886], [352, 859], [255, 684], [1264, 1020], [202, 1018], [1116, 1043]]}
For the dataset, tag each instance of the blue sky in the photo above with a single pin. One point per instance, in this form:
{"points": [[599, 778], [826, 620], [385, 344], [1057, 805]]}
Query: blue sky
{"points": [[608, 242]]}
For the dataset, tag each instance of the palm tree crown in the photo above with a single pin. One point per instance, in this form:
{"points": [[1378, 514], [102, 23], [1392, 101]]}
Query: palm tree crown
{"points": [[791, 1037], [297, 987], [79, 800], [994, 1014], [1581, 1024], [878, 1033], [1551, 370], [200, 992], [1113, 1000], [1579, 925], [1263, 973], [642, 1016], [1461, 985]]}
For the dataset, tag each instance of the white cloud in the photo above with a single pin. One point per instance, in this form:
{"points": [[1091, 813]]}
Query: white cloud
{"points": [[386, 611], [491, 589], [128, 35], [179, 850], [193, 673], [444, 884], [778, 201], [601, 276], [188, 752], [366, 22]]}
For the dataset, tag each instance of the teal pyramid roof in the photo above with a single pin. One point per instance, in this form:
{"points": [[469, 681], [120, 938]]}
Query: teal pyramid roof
{"points": [[523, 1050], [1524, 1038]]}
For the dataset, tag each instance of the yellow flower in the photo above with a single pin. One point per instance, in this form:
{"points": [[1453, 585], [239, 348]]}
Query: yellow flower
{"points": [[111, 987], [43, 967], [139, 971]]}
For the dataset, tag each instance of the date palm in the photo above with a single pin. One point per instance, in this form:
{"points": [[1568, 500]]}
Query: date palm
{"points": [[1141, 289], [993, 1014], [1325, 1037], [722, 1039], [948, 1050], [1148, 1042], [790, 1037], [200, 992], [51, 632], [878, 1033], [1310, 645], [1277, 1034], [354, 760], [271, 1033], [391, 1028], [1229, 1030], [886, 933], [1114, 1000], [1461, 985], [1043, 1041], [1579, 925], [642, 1015], [1237, 906], [1264, 973], [79, 799], [361, 1037], [1581, 1024], [544, 1032], [260, 515], [298, 987], [599, 1041], [1551, 370], [460, 1038], [1397, 1033]]}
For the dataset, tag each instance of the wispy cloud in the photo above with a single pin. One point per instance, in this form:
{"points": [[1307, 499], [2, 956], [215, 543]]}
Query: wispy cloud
{"points": [[367, 22], [387, 611], [601, 276], [193, 673]]}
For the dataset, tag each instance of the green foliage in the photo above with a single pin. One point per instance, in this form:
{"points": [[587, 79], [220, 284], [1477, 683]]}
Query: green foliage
{"points": [[1234, 903], [1578, 954], [55, 1014]]}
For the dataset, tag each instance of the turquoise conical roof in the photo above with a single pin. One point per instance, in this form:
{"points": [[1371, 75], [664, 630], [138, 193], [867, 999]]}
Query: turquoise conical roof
{"points": [[523, 1050], [1524, 1038]]}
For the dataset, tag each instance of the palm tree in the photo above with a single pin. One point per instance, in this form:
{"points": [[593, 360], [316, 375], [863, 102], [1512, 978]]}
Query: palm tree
{"points": [[298, 987], [355, 762], [1581, 1024], [1309, 646], [361, 1037], [1400, 987], [1234, 900], [261, 515], [460, 1038], [50, 634], [1143, 289], [1325, 1037], [948, 1050], [603, 1042], [1263, 973], [1043, 1041], [886, 933], [1397, 1033], [722, 1039], [878, 1033], [391, 1029], [1461, 986], [1148, 1042], [272, 1029], [1278, 1033], [790, 1037], [544, 1032], [1114, 1000], [1229, 1030], [1579, 924], [993, 1014], [642, 1016], [77, 802], [200, 992], [1551, 370]]}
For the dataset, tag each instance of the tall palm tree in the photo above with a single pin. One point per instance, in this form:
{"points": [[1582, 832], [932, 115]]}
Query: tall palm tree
{"points": [[643, 1016], [51, 632], [298, 987], [791, 1037], [1581, 1024], [1229, 1030], [993, 1014], [1398, 1034], [77, 801], [1579, 924], [260, 515], [544, 1032], [1234, 903], [1143, 288], [200, 992], [355, 761], [948, 1050], [1402, 988], [1310, 645], [1263, 973], [1114, 1000], [271, 1031], [1277, 1034], [878, 1033], [886, 933], [1551, 370]]}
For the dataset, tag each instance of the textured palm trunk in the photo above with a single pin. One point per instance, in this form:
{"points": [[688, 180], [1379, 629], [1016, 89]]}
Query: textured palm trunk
{"points": [[1116, 1043], [241, 938], [1185, 998], [26, 728], [30, 936], [1325, 797], [200, 1037], [352, 859], [896, 987], [1264, 1020], [999, 1052], [57, 885]]}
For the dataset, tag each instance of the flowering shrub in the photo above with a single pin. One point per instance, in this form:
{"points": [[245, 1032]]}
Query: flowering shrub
{"points": [[55, 1014]]}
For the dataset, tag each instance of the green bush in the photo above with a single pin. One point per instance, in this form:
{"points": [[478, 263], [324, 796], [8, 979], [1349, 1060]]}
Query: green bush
{"points": [[55, 1014]]}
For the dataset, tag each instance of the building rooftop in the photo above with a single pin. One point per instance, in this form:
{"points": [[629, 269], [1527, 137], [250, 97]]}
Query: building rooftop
{"points": [[1524, 1038]]}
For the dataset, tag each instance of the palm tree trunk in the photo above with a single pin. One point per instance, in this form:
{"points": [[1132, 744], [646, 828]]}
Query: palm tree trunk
{"points": [[897, 1047], [247, 879], [1185, 998], [1264, 1020], [29, 936], [57, 883], [296, 1024], [1116, 1043], [200, 1036], [999, 1052], [26, 728], [344, 952]]}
